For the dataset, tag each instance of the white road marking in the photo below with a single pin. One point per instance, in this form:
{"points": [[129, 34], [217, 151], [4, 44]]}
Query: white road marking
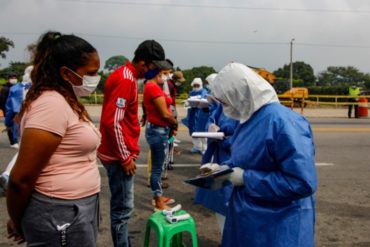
{"points": [[324, 164], [198, 165], [175, 165]]}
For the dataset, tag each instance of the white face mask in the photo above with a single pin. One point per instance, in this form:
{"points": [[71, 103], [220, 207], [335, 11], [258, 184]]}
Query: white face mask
{"points": [[178, 84], [231, 112], [13, 81], [89, 84], [161, 79], [164, 78]]}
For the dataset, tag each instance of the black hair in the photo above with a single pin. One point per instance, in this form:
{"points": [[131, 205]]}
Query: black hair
{"points": [[11, 75], [53, 51]]}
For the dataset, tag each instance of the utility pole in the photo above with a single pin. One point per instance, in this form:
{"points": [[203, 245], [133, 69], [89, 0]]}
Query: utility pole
{"points": [[291, 64]]}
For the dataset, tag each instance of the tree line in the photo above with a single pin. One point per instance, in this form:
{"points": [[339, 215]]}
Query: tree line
{"points": [[335, 80]]}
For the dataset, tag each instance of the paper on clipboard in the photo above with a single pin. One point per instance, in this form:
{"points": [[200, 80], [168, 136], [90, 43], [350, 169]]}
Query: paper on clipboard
{"points": [[196, 101], [207, 181], [213, 135], [203, 103]]}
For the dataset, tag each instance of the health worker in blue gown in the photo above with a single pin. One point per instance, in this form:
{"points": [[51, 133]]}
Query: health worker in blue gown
{"points": [[218, 151], [17, 94], [273, 160], [196, 118]]}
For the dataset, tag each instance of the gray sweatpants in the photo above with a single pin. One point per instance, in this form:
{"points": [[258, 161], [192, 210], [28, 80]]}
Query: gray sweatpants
{"points": [[57, 222]]}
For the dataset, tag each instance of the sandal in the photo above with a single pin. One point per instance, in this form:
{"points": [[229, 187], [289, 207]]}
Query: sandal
{"points": [[165, 200]]}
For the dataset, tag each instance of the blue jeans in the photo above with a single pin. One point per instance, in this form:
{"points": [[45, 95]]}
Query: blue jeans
{"points": [[121, 202], [157, 138]]}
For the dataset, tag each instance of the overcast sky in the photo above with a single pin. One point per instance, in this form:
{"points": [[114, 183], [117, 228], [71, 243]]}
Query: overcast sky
{"points": [[202, 32]]}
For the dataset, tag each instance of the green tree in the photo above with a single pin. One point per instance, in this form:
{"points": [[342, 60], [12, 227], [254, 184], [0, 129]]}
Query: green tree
{"points": [[5, 44], [335, 75], [301, 72], [100, 87], [114, 62], [15, 67], [190, 74], [367, 81]]}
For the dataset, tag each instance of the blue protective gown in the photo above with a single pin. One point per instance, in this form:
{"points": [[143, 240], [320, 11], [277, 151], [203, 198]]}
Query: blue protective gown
{"points": [[13, 106], [275, 206], [196, 118], [218, 151]]}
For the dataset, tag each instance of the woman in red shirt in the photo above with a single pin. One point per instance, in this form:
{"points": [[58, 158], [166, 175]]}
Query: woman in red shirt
{"points": [[160, 123]]}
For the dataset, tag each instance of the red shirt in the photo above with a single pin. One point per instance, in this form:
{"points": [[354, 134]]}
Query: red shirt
{"points": [[119, 123], [151, 92]]}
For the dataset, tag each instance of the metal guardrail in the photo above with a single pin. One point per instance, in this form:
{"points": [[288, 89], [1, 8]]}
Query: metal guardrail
{"points": [[312, 100], [338, 100], [323, 100]]}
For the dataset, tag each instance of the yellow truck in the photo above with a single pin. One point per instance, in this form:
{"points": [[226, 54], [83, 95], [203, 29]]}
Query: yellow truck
{"points": [[295, 96], [268, 76]]}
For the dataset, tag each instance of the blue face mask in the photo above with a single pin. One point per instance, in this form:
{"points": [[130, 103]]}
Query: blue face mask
{"points": [[151, 73]]}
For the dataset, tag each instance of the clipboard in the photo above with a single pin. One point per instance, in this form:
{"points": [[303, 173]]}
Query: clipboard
{"points": [[206, 181]]}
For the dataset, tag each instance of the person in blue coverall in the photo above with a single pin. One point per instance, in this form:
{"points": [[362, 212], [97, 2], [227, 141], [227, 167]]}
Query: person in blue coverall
{"points": [[14, 102], [218, 151], [4, 94], [273, 161], [196, 118]]}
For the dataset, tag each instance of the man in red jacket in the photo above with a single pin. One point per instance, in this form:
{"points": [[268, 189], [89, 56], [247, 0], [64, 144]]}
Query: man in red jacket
{"points": [[120, 129]]}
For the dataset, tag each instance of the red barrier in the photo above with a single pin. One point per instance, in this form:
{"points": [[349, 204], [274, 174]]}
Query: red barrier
{"points": [[362, 107]]}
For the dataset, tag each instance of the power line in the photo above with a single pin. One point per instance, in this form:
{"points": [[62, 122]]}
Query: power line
{"points": [[151, 4], [333, 45], [216, 42]]}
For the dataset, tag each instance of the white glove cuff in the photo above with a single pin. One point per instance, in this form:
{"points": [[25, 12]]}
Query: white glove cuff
{"points": [[237, 176]]}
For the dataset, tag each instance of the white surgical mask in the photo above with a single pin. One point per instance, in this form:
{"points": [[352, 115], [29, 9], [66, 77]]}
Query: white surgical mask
{"points": [[13, 81], [178, 84], [162, 79], [231, 112], [89, 84]]}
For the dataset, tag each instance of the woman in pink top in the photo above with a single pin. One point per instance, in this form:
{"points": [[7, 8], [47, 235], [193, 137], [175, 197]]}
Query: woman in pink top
{"points": [[52, 196]]}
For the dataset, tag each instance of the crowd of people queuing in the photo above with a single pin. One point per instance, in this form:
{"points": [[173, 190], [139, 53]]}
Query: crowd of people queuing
{"points": [[53, 188]]}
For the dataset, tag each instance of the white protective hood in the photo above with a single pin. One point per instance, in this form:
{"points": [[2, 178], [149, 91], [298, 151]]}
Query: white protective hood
{"points": [[198, 81], [211, 77], [27, 74], [243, 89]]}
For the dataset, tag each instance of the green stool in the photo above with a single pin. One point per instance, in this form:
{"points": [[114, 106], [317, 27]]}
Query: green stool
{"points": [[167, 231]]}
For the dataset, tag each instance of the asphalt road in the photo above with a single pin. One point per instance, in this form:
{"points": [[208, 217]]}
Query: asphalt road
{"points": [[343, 196]]}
